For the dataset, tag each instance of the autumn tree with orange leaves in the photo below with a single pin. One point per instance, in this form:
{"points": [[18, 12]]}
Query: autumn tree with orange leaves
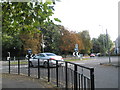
{"points": [[68, 41]]}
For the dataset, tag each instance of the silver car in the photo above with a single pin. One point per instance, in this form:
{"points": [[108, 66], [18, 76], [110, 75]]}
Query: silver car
{"points": [[44, 57]]}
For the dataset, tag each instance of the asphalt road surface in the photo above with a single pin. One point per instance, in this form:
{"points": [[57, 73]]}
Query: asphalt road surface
{"points": [[106, 76]]}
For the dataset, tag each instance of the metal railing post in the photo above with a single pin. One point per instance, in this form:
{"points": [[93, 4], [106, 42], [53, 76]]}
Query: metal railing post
{"points": [[75, 77], [79, 81], [18, 66], [57, 73], [9, 65], [66, 78], [28, 66], [38, 68], [48, 71], [92, 78]]}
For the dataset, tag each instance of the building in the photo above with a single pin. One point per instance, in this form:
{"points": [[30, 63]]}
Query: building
{"points": [[117, 46]]}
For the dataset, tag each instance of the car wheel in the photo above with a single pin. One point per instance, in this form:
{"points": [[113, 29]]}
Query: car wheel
{"points": [[31, 65], [60, 65], [45, 64]]}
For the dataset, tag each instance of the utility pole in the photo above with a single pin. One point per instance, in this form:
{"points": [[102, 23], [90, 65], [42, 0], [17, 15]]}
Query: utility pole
{"points": [[103, 39], [42, 43], [108, 45], [14, 53]]}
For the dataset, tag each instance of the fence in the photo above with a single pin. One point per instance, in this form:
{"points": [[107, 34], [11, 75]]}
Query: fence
{"points": [[68, 75]]}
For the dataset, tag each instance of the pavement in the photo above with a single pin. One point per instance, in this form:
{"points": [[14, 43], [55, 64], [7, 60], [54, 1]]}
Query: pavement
{"points": [[113, 63], [16, 82]]}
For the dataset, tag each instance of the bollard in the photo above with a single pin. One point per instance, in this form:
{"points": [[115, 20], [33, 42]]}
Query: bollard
{"points": [[48, 71], [18, 66], [9, 65], [57, 73], [92, 78], [66, 76], [75, 77], [28, 67], [38, 68]]}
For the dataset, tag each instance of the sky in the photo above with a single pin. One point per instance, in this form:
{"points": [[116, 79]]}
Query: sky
{"points": [[93, 15]]}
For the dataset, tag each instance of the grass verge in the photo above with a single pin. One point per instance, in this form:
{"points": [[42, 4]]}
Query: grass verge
{"points": [[21, 62]]}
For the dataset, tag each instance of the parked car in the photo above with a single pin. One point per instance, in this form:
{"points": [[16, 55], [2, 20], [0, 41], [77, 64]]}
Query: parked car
{"points": [[98, 54], [92, 55], [44, 57]]}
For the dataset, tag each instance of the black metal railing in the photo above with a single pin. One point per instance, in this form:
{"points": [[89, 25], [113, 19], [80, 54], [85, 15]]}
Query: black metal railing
{"points": [[68, 75]]}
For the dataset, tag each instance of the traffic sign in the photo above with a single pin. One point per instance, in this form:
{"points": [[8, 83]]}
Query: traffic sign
{"points": [[29, 51]]}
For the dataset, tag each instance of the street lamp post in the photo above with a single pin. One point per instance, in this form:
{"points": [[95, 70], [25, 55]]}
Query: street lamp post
{"points": [[103, 38], [14, 53], [43, 44], [108, 45]]}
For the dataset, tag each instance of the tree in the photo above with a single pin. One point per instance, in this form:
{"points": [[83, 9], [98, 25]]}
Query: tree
{"points": [[81, 44], [9, 43], [68, 41], [100, 44], [20, 18], [86, 41], [95, 46], [51, 37], [25, 16]]}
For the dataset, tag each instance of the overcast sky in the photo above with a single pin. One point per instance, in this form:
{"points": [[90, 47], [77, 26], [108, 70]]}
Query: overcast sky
{"points": [[93, 15]]}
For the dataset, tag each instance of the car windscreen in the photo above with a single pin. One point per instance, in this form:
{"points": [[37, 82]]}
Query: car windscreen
{"points": [[36, 57], [51, 54]]}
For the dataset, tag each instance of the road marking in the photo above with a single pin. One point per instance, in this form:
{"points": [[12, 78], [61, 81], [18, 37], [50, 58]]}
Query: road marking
{"points": [[79, 63]]}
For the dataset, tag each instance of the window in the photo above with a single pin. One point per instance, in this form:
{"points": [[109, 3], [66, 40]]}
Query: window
{"points": [[37, 57], [50, 54], [41, 55]]}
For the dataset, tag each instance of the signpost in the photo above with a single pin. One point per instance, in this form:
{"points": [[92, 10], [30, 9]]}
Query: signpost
{"points": [[29, 51], [8, 58], [76, 53]]}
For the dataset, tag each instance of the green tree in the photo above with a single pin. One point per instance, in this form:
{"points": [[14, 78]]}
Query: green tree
{"points": [[22, 18], [95, 45], [25, 16], [86, 41], [51, 37], [9, 43], [101, 45]]}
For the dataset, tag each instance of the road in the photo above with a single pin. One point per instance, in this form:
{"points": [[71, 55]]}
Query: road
{"points": [[106, 76]]}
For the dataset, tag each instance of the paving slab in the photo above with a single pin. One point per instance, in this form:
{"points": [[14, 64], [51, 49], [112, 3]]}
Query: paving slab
{"points": [[25, 82]]}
